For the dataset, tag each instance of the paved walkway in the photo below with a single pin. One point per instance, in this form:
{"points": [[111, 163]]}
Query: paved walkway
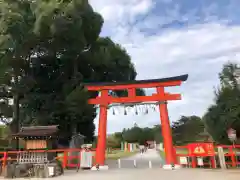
{"points": [[141, 161], [151, 154], [153, 173], [130, 174]]}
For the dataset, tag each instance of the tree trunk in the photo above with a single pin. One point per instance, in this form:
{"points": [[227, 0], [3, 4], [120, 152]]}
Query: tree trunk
{"points": [[15, 125]]}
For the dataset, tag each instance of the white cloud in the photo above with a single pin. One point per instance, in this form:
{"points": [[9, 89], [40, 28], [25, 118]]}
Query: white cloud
{"points": [[115, 10], [198, 50]]}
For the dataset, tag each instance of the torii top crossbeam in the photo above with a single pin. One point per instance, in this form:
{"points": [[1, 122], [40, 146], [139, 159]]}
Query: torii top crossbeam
{"points": [[131, 87], [150, 83]]}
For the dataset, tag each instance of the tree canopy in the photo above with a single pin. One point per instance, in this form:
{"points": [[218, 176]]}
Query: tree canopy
{"points": [[187, 129], [47, 49], [135, 134], [225, 112]]}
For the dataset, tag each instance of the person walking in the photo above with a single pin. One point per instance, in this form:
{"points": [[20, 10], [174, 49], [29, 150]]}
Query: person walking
{"points": [[141, 148]]}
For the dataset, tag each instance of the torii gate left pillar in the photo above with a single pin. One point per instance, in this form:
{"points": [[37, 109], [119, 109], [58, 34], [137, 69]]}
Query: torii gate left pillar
{"points": [[102, 131], [161, 96]]}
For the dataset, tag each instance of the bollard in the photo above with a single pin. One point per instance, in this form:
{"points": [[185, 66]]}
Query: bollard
{"points": [[119, 163], [150, 164], [135, 163]]}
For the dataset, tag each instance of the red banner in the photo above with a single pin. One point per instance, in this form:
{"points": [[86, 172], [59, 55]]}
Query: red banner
{"points": [[201, 149]]}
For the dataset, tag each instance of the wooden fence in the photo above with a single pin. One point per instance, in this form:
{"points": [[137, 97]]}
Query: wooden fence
{"points": [[230, 153], [62, 155]]}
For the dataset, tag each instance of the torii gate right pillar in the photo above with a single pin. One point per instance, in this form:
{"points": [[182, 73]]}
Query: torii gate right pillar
{"points": [[166, 133]]}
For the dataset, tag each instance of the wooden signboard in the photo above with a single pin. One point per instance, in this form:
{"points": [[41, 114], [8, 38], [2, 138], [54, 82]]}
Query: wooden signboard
{"points": [[201, 149], [36, 144]]}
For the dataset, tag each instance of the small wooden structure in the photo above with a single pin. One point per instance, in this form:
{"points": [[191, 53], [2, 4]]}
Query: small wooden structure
{"points": [[36, 138], [31, 162]]}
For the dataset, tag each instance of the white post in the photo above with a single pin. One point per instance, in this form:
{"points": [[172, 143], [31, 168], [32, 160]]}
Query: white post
{"points": [[150, 164], [221, 158], [161, 147], [119, 163], [200, 161], [135, 163]]}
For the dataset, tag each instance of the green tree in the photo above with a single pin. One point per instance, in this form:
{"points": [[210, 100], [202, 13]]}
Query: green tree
{"points": [[119, 136], [114, 140], [42, 43], [48, 48], [139, 135], [225, 112], [133, 135], [229, 77], [187, 129], [157, 133], [3, 131]]}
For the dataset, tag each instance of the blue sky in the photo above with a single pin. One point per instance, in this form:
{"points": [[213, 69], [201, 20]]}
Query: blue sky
{"points": [[172, 37]]}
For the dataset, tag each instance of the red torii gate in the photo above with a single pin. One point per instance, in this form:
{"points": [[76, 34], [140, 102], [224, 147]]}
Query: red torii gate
{"points": [[161, 96]]}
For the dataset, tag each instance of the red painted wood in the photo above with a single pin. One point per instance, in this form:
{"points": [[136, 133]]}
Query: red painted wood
{"points": [[102, 132], [166, 130], [131, 92], [207, 149], [154, 97], [129, 86]]}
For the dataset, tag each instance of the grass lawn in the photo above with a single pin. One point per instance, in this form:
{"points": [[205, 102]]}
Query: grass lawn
{"points": [[181, 151], [120, 154], [117, 154]]}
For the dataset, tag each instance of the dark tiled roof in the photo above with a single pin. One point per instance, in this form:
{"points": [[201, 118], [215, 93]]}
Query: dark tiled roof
{"points": [[37, 131], [175, 78], [78, 135]]}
